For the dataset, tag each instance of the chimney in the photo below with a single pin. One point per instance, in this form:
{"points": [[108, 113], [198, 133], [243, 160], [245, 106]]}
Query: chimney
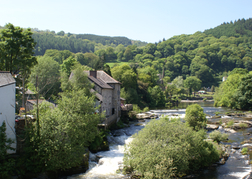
{"points": [[93, 73]]}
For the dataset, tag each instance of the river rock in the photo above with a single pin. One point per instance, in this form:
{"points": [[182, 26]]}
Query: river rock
{"points": [[236, 147], [211, 127], [92, 157], [118, 133], [222, 161], [230, 130], [100, 162]]}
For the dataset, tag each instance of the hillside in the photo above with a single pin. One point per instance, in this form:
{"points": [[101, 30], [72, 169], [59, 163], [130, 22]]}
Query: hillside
{"points": [[77, 42], [235, 29]]}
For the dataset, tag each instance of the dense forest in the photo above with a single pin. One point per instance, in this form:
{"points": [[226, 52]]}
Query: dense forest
{"points": [[76, 42]]}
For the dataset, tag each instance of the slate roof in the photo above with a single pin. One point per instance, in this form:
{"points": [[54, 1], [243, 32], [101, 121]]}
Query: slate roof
{"points": [[96, 94], [6, 78], [105, 77], [100, 82]]}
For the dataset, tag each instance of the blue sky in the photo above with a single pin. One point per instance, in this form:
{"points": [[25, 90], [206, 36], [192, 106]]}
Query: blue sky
{"points": [[145, 20]]}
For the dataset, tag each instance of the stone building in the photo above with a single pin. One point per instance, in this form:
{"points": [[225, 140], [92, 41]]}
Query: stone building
{"points": [[108, 94]]}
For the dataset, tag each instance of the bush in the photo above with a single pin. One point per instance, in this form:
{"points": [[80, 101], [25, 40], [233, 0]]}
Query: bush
{"points": [[146, 109], [195, 117], [166, 149], [243, 125], [136, 108], [230, 123], [244, 151], [218, 136]]}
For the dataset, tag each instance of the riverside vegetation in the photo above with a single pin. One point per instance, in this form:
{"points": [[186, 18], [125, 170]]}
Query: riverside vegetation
{"points": [[168, 148]]}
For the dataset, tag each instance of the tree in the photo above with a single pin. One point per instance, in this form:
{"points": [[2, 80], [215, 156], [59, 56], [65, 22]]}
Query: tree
{"points": [[16, 49], [67, 130], [68, 65], [192, 82], [125, 75], [165, 149], [243, 95], [195, 117], [157, 97], [48, 72], [224, 95]]}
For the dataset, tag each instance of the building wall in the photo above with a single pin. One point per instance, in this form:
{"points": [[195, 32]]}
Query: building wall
{"points": [[116, 100], [98, 89], [7, 111], [107, 101]]}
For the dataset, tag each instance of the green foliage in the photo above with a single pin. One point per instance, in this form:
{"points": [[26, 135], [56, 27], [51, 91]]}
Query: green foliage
{"points": [[66, 131], [230, 123], [146, 109], [99, 142], [16, 49], [136, 108], [243, 95], [192, 82], [243, 125], [77, 81], [240, 27], [226, 94], [217, 136], [244, 151], [157, 97], [68, 65], [195, 117], [48, 72], [166, 149], [125, 75], [6, 164], [47, 41]]}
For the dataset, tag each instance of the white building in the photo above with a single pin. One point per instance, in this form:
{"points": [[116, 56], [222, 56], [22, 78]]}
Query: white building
{"points": [[7, 104]]}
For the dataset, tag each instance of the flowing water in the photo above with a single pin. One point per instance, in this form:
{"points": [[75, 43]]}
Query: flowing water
{"points": [[237, 166]]}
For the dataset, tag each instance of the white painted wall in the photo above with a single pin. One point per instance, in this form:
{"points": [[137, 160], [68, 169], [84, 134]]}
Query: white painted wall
{"points": [[7, 111]]}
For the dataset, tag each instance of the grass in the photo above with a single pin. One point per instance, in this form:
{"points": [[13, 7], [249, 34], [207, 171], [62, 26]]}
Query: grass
{"points": [[230, 123], [243, 125], [244, 151], [111, 64]]}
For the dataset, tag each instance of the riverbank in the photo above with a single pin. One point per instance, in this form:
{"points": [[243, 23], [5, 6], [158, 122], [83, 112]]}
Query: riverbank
{"points": [[195, 101]]}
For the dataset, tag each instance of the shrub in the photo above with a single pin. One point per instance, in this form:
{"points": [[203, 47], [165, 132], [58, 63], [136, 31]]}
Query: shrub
{"points": [[218, 136], [244, 151], [166, 149], [195, 117], [230, 123], [243, 125], [146, 109], [136, 108]]}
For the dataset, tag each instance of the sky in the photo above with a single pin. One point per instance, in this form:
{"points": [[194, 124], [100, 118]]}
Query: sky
{"points": [[145, 20]]}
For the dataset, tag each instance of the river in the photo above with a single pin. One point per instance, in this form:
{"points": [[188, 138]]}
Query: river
{"points": [[236, 167]]}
